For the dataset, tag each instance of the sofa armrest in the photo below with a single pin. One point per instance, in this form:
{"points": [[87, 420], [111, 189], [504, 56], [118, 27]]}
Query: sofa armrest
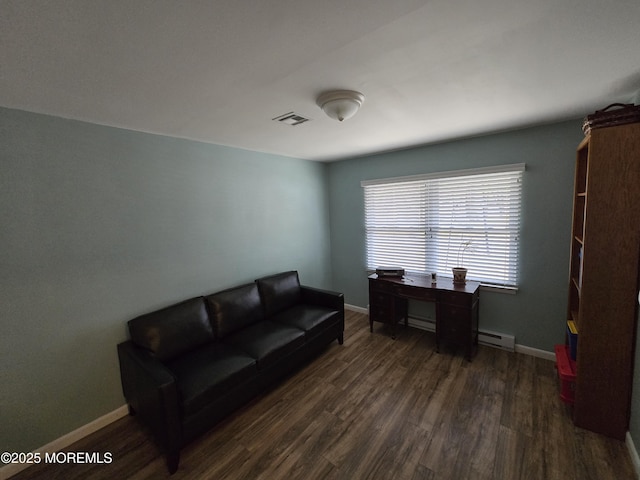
{"points": [[323, 298], [151, 392]]}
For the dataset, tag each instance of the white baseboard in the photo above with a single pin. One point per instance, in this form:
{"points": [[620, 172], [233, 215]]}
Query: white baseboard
{"points": [[633, 453], [424, 324], [535, 352], [353, 308], [66, 440]]}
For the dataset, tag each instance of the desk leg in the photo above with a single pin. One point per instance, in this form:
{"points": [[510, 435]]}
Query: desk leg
{"points": [[473, 341], [438, 328], [400, 310]]}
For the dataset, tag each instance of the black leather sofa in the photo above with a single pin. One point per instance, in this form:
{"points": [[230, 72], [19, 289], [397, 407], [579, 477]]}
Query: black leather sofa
{"points": [[189, 365]]}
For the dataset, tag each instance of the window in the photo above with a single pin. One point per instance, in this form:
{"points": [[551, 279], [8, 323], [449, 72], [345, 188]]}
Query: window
{"points": [[431, 223]]}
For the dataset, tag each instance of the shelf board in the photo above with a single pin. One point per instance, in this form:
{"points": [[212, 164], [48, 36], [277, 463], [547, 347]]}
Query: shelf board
{"points": [[574, 280]]}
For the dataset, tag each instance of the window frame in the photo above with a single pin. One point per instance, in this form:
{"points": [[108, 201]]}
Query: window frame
{"points": [[505, 220]]}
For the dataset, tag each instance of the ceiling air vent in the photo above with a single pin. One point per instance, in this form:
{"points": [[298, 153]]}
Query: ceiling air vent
{"points": [[291, 118]]}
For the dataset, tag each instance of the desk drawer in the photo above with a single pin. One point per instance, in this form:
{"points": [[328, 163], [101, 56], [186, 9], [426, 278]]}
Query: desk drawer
{"points": [[454, 324], [381, 286], [461, 299], [385, 307], [455, 314], [381, 306], [381, 314], [380, 299], [416, 293]]}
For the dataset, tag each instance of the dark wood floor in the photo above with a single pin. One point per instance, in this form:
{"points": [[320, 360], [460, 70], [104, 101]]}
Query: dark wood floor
{"points": [[380, 409]]}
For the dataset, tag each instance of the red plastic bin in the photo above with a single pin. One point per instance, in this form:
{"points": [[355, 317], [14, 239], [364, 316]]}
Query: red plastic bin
{"points": [[566, 373]]}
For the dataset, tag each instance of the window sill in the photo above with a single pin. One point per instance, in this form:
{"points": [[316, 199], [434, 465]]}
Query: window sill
{"points": [[498, 289]]}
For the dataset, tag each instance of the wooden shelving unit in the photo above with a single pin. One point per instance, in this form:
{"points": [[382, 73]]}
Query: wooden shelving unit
{"points": [[603, 276]]}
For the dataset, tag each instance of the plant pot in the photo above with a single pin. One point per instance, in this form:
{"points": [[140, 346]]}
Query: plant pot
{"points": [[459, 275]]}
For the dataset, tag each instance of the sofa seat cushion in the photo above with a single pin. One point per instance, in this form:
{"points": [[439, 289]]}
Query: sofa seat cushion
{"points": [[208, 372], [309, 318], [267, 341]]}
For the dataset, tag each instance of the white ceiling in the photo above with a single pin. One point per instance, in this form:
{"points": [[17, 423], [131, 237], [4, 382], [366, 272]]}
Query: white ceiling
{"points": [[219, 70]]}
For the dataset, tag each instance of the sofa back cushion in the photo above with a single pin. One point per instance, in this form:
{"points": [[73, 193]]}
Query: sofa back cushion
{"points": [[279, 292], [173, 330], [235, 308]]}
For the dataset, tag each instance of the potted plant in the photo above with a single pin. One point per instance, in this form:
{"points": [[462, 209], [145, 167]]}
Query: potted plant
{"points": [[460, 272]]}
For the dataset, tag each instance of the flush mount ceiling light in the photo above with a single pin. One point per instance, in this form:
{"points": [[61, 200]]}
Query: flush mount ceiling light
{"points": [[340, 104]]}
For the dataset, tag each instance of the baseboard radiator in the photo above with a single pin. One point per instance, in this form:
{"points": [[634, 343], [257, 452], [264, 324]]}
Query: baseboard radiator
{"points": [[485, 337]]}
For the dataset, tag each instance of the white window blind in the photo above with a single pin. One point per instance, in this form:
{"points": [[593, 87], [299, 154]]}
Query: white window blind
{"points": [[431, 223]]}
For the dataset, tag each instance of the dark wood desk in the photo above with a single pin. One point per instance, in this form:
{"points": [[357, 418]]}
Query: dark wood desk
{"points": [[456, 306]]}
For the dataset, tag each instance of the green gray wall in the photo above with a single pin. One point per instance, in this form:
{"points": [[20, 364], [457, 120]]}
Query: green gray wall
{"points": [[536, 314], [100, 224]]}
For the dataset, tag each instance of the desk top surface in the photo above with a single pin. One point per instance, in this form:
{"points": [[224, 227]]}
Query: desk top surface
{"points": [[424, 281]]}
